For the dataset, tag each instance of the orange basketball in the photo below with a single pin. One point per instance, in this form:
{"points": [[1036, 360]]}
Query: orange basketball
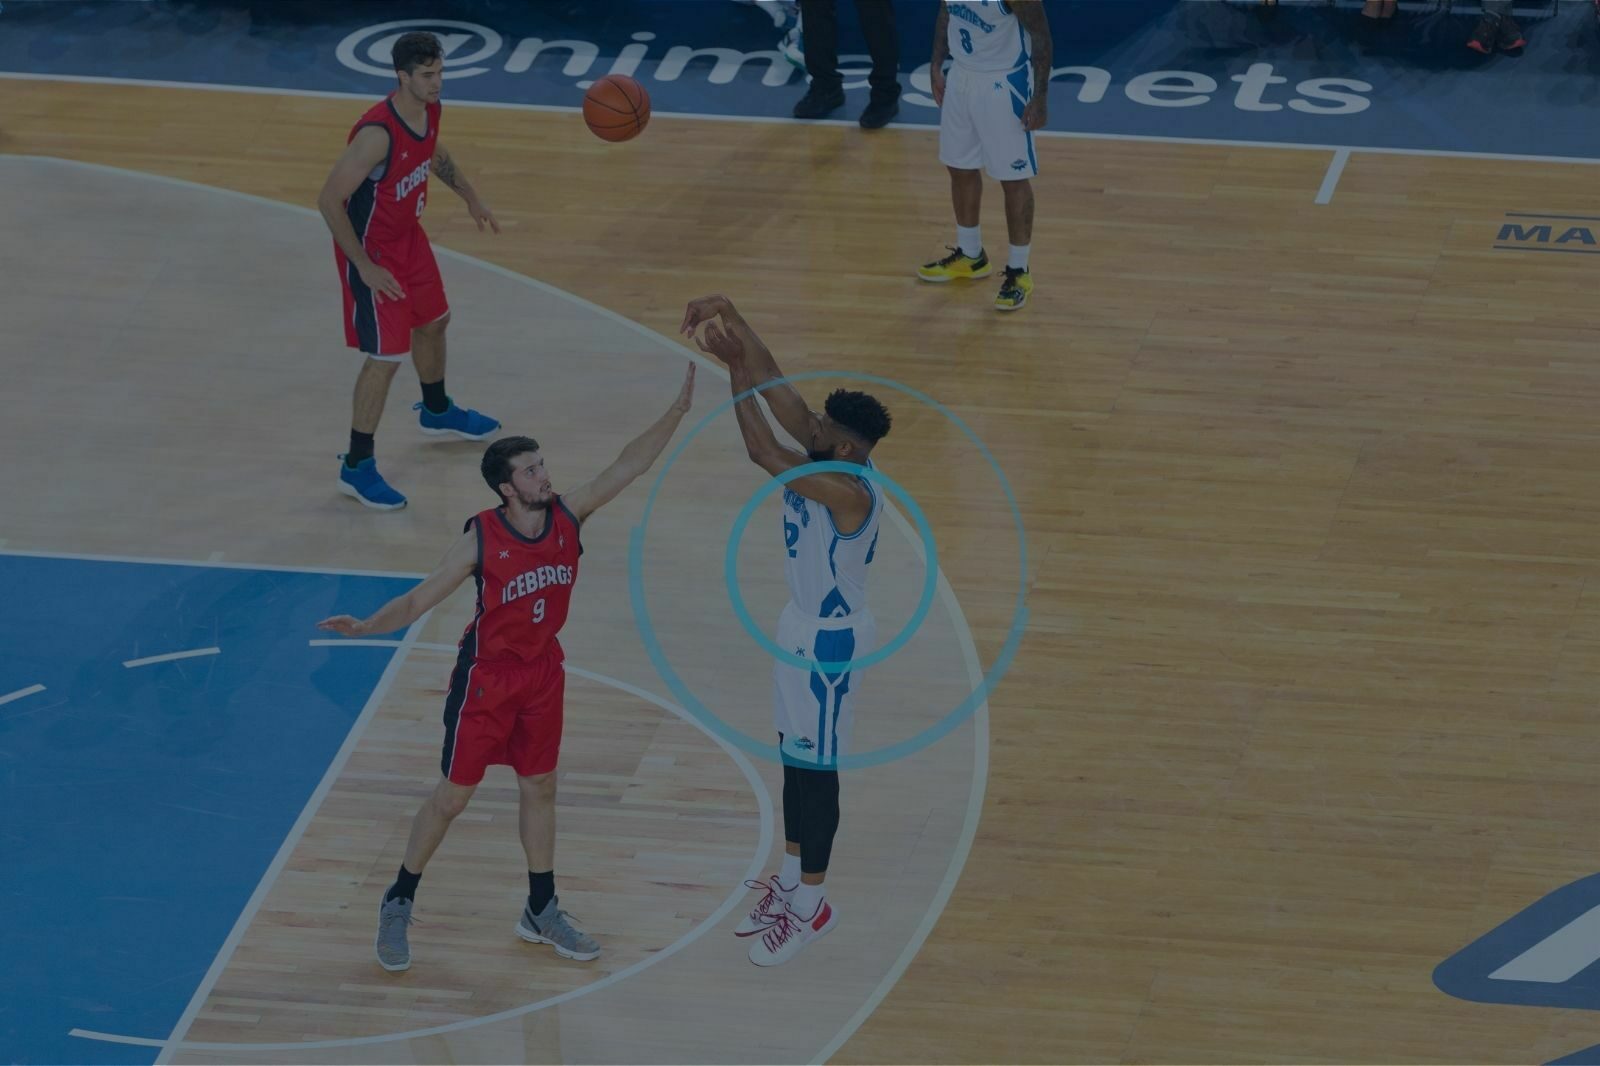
{"points": [[616, 108]]}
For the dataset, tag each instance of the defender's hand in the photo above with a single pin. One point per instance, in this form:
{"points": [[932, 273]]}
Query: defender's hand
{"points": [[345, 625], [685, 398]]}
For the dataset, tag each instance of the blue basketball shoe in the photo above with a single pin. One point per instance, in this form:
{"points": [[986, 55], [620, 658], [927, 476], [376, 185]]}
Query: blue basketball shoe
{"points": [[456, 421], [367, 485]]}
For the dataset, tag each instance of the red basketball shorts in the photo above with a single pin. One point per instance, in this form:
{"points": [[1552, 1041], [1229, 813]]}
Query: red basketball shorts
{"points": [[377, 324], [500, 714]]}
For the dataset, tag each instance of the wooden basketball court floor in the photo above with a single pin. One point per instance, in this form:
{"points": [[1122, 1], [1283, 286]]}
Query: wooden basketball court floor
{"points": [[1304, 702]]}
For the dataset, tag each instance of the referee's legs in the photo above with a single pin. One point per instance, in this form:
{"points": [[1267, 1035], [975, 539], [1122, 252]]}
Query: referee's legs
{"points": [[819, 21], [819, 27], [877, 26]]}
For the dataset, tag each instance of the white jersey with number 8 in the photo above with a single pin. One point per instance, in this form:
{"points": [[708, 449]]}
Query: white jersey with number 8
{"points": [[986, 35]]}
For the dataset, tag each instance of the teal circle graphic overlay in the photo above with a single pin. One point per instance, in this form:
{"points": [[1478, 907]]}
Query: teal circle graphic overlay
{"points": [[929, 585], [767, 749]]}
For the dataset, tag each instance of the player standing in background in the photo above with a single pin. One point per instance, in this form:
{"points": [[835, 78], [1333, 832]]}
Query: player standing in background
{"points": [[992, 101], [505, 705], [830, 533], [394, 299]]}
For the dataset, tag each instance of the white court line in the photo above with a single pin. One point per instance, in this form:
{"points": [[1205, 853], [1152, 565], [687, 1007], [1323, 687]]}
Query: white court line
{"points": [[21, 692], [958, 860], [958, 620], [118, 1038], [225, 953], [783, 121], [735, 899], [172, 656], [352, 642], [204, 563], [1330, 181]]}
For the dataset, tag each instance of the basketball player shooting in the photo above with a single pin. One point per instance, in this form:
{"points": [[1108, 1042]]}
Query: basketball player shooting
{"points": [[830, 532], [506, 700]]}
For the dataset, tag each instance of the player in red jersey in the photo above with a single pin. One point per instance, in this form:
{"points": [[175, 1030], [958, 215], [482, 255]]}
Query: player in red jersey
{"points": [[505, 700], [394, 300]]}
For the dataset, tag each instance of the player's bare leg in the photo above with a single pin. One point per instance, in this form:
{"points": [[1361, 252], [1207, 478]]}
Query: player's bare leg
{"points": [[536, 820], [372, 390], [439, 415], [428, 351], [433, 820], [966, 195], [1018, 283], [967, 258], [427, 830], [358, 474], [542, 921]]}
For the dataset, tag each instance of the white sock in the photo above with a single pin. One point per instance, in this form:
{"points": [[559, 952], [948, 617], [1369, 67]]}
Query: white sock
{"points": [[807, 900], [1019, 256], [789, 876], [970, 240]]}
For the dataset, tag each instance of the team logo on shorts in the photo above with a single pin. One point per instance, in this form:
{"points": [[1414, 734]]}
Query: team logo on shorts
{"points": [[804, 743], [1019, 164], [370, 50]]}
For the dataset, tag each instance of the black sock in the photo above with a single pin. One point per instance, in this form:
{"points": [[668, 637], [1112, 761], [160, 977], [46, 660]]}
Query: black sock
{"points": [[405, 885], [541, 890], [360, 448], [433, 397]]}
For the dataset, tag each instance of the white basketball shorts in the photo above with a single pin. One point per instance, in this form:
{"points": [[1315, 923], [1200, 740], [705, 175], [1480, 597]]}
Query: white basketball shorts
{"points": [[814, 709], [980, 123]]}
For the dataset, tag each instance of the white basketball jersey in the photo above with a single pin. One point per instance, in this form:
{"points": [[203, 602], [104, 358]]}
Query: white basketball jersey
{"points": [[986, 35], [827, 571]]}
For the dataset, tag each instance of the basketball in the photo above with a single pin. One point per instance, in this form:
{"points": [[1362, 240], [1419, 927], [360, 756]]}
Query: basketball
{"points": [[616, 108]]}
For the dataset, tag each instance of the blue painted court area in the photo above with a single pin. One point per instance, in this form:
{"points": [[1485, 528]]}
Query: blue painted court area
{"points": [[143, 805]]}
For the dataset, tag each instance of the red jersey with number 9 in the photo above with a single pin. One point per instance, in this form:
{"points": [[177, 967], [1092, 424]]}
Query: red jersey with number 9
{"points": [[524, 586], [387, 207]]}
